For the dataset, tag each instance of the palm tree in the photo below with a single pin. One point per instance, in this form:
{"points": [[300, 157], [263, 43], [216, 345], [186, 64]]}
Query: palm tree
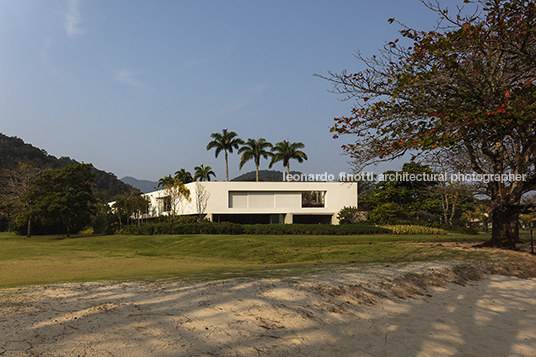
{"points": [[226, 142], [284, 151], [175, 191], [166, 181], [183, 176], [255, 149], [202, 173]]}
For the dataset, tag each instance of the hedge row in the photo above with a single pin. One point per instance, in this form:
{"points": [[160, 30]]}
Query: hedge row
{"points": [[183, 228], [413, 229], [313, 229], [234, 228]]}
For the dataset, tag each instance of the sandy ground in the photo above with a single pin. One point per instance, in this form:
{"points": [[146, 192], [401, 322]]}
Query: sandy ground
{"points": [[433, 309]]}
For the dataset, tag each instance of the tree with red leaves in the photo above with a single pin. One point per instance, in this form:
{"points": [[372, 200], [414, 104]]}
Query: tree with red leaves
{"points": [[470, 85]]}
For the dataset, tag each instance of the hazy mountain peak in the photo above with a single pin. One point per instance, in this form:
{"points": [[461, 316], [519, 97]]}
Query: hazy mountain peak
{"points": [[144, 186]]}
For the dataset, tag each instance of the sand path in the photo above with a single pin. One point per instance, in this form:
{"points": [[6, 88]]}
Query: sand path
{"points": [[327, 314]]}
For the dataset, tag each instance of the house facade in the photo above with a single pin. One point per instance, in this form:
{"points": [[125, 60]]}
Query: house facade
{"points": [[258, 202]]}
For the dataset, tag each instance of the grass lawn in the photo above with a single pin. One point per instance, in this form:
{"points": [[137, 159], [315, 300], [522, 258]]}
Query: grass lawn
{"points": [[51, 259]]}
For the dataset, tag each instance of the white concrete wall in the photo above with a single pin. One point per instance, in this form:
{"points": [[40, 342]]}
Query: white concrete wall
{"points": [[337, 195]]}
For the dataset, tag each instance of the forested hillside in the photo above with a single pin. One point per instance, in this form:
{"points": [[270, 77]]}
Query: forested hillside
{"points": [[14, 150]]}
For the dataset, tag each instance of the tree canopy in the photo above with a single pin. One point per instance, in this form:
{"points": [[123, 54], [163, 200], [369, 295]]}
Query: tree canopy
{"points": [[175, 190], [468, 85], [225, 141], [184, 176], [63, 197], [203, 173], [255, 150], [285, 151], [412, 194]]}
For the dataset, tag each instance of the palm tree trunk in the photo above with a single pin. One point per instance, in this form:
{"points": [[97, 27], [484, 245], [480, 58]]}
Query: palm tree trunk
{"points": [[226, 167], [257, 172]]}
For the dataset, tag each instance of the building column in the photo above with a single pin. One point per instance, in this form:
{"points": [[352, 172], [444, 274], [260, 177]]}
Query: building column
{"points": [[288, 218], [334, 219]]}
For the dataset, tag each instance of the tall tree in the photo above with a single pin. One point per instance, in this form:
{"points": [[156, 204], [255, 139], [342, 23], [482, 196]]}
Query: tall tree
{"points": [[14, 183], [285, 151], [184, 176], [201, 196], [225, 141], [120, 209], [447, 165], [175, 192], [65, 195], [469, 83], [166, 181], [203, 173], [394, 186], [255, 150], [138, 204]]}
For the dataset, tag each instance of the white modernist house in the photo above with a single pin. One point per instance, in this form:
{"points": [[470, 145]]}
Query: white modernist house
{"points": [[258, 202]]}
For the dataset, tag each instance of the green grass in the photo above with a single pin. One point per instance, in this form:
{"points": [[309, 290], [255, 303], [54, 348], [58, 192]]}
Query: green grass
{"points": [[49, 259], [524, 235]]}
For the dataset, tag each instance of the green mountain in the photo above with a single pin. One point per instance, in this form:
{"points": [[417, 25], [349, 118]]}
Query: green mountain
{"points": [[14, 150]]}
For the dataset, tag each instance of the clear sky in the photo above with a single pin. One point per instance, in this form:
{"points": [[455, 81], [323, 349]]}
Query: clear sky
{"points": [[137, 87]]}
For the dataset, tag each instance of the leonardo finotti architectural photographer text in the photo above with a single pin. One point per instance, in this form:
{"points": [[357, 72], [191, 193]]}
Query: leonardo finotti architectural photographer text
{"points": [[404, 176]]}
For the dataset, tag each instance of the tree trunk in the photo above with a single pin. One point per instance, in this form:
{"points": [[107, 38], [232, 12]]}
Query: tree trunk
{"points": [[29, 227], [226, 167], [445, 206], [505, 232], [453, 209], [515, 228]]}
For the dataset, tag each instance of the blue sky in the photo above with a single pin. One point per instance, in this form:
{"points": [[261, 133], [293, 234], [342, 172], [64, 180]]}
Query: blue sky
{"points": [[137, 87]]}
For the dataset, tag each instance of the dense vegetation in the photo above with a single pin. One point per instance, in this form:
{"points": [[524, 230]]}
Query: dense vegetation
{"points": [[14, 151], [417, 202], [41, 194]]}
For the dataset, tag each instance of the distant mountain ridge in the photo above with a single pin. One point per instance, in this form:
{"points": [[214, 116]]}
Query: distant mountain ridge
{"points": [[14, 150], [145, 186]]}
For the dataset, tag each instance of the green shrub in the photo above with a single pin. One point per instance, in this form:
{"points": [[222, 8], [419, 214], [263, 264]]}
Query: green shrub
{"points": [[348, 215], [314, 229], [86, 231], [183, 228], [413, 229], [465, 230], [147, 229]]}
